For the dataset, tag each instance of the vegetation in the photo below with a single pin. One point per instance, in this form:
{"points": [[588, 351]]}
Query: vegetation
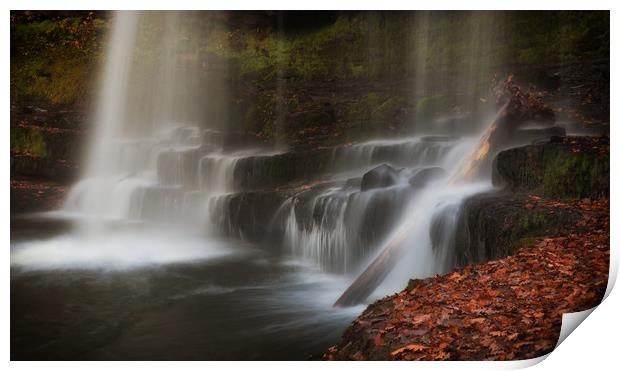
{"points": [[376, 44], [31, 142], [378, 56], [53, 60]]}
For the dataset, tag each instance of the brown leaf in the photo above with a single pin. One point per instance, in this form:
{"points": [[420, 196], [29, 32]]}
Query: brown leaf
{"points": [[410, 347]]}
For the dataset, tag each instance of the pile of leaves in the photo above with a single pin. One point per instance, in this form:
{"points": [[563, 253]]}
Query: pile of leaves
{"points": [[502, 310], [524, 105]]}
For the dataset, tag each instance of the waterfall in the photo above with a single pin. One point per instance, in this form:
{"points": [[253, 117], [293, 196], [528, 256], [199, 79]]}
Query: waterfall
{"points": [[105, 191], [159, 155], [151, 151]]}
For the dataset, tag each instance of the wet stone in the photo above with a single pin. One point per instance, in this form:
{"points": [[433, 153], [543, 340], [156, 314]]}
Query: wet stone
{"points": [[380, 177]]}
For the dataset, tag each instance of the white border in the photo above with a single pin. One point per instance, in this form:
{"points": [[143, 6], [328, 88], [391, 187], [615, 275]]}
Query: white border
{"points": [[594, 344]]}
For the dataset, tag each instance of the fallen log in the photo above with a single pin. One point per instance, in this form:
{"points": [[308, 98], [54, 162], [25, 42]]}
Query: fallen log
{"points": [[376, 272], [516, 108], [487, 145]]}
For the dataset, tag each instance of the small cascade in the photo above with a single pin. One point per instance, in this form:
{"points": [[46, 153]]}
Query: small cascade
{"points": [[338, 228], [418, 150]]}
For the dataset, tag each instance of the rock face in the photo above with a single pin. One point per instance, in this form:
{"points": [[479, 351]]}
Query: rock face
{"points": [[45, 152], [496, 224], [43, 167], [251, 216], [261, 172], [380, 177], [564, 168]]}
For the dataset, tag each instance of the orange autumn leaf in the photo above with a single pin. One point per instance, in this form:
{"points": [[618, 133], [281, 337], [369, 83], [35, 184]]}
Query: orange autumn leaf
{"points": [[410, 347]]}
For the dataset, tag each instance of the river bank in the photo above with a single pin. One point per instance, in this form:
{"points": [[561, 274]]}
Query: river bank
{"points": [[509, 307]]}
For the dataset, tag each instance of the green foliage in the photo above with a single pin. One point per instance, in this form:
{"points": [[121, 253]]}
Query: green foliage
{"points": [[337, 51], [558, 36], [52, 60], [28, 140]]}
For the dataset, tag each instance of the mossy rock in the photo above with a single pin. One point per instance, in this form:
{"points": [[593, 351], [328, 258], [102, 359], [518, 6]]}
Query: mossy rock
{"points": [[496, 224], [569, 168]]}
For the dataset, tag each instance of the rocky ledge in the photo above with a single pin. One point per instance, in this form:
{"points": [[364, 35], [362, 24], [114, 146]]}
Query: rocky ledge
{"points": [[565, 167]]}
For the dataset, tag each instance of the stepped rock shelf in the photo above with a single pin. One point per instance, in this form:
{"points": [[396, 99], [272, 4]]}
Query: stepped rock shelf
{"points": [[314, 203], [310, 201]]}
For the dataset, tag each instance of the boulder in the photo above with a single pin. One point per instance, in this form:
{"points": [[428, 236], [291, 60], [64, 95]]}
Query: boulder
{"points": [[380, 177]]}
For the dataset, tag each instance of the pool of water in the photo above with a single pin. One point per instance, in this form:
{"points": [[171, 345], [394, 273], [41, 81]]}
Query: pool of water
{"points": [[143, 293]]}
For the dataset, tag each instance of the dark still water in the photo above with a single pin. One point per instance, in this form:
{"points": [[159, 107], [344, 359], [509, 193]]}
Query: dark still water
{"points": [[143, 294]]}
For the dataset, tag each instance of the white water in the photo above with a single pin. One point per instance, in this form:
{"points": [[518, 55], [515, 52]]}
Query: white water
{"points": [[116, 250]]}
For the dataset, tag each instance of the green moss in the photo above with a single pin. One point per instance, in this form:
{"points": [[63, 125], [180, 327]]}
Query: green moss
{"points": [[554, 171], [28, 140], [525, 222], [360, 110], [548, 37], [573, 176], [532, 220]]}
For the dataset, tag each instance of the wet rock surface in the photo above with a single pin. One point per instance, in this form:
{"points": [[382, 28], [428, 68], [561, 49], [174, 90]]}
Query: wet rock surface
{"points": [[567, 168], [380, 177], [250, 216], [496, 224]]}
